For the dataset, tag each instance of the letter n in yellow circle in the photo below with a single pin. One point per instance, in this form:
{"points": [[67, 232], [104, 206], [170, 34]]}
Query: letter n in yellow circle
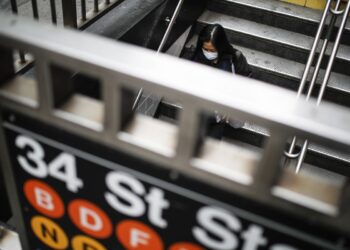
{"points": [[81, 242], [49, 232]]}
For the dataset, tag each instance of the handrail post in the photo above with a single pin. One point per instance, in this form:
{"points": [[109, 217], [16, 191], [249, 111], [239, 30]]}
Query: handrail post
{"points": [[35, 9], [269, 165], [69, 10], [53, 11], [14, 6]]}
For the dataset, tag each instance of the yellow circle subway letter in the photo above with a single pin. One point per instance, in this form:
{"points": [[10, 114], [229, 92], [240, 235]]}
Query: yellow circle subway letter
{"points": [[49, 232]]}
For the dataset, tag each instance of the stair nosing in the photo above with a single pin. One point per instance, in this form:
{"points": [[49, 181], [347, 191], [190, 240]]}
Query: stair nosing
{"points": [[296, 45], [279, 8], [332, 81]]}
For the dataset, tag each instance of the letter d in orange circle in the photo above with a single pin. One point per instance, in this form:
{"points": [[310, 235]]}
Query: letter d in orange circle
{"points": [[90, 219]]}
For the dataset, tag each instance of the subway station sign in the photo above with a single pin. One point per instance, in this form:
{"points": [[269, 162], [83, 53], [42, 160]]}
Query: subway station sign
{"points": [[76, 194]]}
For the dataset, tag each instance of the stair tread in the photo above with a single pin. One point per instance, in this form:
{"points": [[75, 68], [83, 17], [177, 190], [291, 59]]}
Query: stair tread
{"points": [[281, 8], [284, 9], [285, 67], [291, 68], [270, 33], [256, 29]]}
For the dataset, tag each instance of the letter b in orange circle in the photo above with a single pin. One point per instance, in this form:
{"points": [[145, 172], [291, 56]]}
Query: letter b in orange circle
{"points": [[44, 198]]}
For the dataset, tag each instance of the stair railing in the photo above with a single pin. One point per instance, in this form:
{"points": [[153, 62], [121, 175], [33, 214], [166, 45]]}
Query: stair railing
{"points": [[69, 16], [160, 48], [300, 156]]}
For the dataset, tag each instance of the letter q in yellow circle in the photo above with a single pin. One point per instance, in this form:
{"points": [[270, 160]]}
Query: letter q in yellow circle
{"points": [[81, 242], [49, 233]]}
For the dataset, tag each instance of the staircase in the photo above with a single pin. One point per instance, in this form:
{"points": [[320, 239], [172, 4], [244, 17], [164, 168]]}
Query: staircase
{"points": [[276, 39]]}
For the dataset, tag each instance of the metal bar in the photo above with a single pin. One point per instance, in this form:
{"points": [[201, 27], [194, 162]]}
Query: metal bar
{"points": [[290, 154], [269, 165], [137, 100], [170, 26], [14, 6], [309, 63], [323, 51], [302, 156], [45, 89], [53, 11], [83, 10], [335, 12], [317, 69], [333, 54], [111, 99], [161, 46], [35, 9], [96, 6], [22, 57], [313, 49], [190, 125], [69, 10]]}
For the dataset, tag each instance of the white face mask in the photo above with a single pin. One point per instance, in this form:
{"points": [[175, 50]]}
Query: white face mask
{"points": [[210, 55]]}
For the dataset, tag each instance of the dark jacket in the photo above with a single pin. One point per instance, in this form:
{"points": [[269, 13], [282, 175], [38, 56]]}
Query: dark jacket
{"points": [[225, 62]]}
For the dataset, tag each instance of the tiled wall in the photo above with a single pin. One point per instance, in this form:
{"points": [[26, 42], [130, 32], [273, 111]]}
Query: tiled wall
{"points": [[315, 4]]}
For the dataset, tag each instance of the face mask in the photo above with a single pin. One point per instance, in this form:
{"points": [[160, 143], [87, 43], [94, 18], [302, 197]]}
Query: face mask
{"points": [[210, 55]]}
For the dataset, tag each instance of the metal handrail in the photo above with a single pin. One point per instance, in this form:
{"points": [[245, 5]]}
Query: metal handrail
{"points": [[290, 154], [336, 12], [161, 46]]}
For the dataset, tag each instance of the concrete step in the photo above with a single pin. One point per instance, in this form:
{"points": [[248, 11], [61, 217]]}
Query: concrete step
{"points": [[275, 13], [276, 41], [254, 135], [287, 73]]}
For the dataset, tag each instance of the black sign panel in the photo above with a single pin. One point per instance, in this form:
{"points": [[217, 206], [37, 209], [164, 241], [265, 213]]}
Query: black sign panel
{"points": [[76, 194]]}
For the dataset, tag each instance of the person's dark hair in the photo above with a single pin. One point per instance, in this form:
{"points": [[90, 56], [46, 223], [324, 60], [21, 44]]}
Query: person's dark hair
{"points": [[215, 34]]}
